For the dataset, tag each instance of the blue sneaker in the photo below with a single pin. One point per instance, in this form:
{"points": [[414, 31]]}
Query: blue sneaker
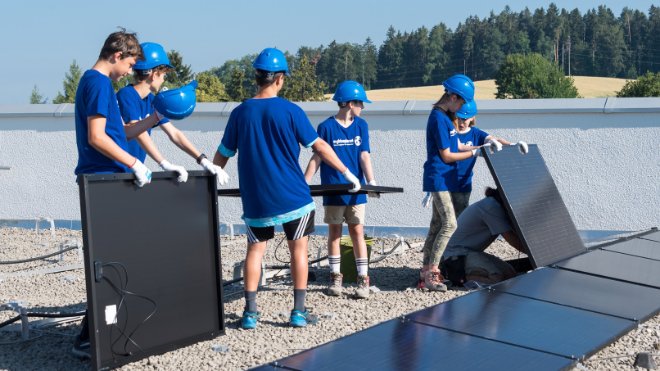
{"points": [[249, 320], [298, 318]]}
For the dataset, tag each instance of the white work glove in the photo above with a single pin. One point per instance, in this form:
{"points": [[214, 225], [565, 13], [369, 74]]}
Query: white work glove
{"points": [[497, 145], [373, 194], [522, 146], [142, 173], [352, 179], [167, 166], [427, 200], [220, 173]]}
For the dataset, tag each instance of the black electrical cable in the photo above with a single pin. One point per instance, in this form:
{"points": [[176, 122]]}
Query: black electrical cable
{"points": [[41, 315], [37, 258], [9, 321], [55, 315], [381, 258]]}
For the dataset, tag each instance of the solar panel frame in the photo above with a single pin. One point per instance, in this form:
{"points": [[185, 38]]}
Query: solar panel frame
{"points": [[533, 203]]}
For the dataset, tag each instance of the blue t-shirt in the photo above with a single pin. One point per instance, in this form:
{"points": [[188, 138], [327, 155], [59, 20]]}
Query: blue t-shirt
{"points": [[440, 134], [474, 137], [348, 143], [135, 108], [267, 134], [95, 96]]}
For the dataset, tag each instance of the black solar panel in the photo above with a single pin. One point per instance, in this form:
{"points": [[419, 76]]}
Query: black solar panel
{"points": [[637, 247], [618, 266], [534, 205], [655, 236], [152, 264], [538, 325], [587, 292], [325, 190], [398, 345]]}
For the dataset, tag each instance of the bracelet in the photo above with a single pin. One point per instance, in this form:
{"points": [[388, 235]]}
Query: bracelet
{"points": [[200, 158]]}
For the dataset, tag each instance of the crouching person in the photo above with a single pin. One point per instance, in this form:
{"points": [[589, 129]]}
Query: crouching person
{"points": [[479, 225]]}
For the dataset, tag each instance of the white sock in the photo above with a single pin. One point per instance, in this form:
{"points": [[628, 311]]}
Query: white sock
{"points": [[335, 262], [362, 266]]}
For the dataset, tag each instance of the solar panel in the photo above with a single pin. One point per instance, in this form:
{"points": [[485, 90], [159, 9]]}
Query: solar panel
{"points": [[325, 190], [405, 345], [587, 292], [655, 236], [617, 266], [534, 324], [534, 205], [152, 264], [638, 247]]}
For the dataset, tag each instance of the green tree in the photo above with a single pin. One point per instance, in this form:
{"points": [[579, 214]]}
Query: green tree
{"points": [[302, 85], [369, 63], [182, 73], [647, 85], [390, 60], [70, 85], [210, 88], [36, 97], [235, 87], [532, 76]]}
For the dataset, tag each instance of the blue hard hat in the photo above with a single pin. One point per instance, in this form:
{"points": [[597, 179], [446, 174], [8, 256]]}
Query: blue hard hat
{"points": [[468, 110], [460, 85], [271, 60], [177, 104], [350, 90], [154, 56]]}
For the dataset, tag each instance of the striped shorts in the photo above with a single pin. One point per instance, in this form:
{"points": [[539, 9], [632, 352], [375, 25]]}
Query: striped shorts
{"points": [[294, 230]]}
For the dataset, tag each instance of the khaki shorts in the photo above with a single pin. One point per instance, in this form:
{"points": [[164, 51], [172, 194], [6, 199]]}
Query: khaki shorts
{"points": [[352, 214]]}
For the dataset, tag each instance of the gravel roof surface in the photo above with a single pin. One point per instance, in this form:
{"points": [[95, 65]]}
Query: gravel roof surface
{"points": [[49, 348]]}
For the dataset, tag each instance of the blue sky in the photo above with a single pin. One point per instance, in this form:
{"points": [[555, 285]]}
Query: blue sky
{"points": [[41, 38]]}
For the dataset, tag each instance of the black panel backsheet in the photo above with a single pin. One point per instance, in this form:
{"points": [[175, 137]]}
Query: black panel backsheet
{"points": [[534, 205], [587, 292], [617, 266], [325, 190], [637, 247], [161, 243], [525, 322], [405, 345]]}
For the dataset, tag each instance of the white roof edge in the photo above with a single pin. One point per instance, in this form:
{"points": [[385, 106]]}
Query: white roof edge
{"points": [[405, 107]]}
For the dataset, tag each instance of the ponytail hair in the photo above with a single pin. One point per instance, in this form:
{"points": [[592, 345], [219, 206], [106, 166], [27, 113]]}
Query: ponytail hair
{"points": [[494, 193]]}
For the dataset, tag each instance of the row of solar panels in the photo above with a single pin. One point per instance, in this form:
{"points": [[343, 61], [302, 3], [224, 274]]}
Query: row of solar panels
{"points": [[577, 301]]}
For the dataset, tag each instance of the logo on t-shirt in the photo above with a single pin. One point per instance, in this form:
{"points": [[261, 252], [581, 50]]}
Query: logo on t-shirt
{"points": [[347, 142], [468, 143]]}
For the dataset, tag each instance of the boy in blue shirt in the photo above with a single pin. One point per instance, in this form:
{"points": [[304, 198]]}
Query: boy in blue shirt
{"points": [[266, 132], [348, 135], [101, 136], [136, 103]]}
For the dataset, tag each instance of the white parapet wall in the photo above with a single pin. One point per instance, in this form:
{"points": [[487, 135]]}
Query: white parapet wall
{"points": [[602, 153]]}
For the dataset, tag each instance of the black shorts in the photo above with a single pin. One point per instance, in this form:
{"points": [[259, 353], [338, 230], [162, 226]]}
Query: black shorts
{"points": [[294, 230]]}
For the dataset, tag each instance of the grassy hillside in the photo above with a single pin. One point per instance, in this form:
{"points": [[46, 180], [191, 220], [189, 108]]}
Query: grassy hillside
{"points": [[588, 87]]}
